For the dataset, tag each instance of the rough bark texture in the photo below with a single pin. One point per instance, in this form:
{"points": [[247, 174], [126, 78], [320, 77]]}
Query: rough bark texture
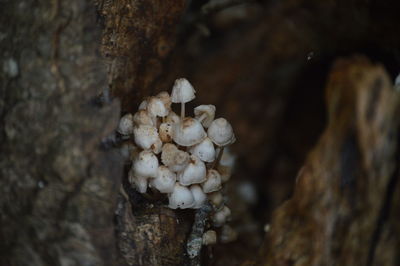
{"points": [[338, 214], [58, 189]]}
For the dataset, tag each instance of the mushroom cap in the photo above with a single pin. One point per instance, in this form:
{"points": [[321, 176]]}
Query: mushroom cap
{"points": [[199, 196], [228, 234], [141, 117], [208, 110], [182, 92], [181, 197], [166, 99], [213, 182], [145, 136], [139, 182], [221, 132], [146, 164], [125, 126], [221, 216], [172, 118], [174, 158], [226, 164], [188, 132], [194, 173], [156, 107], [156, 147], [165, 180], [216, 199], [143, 105], [204, 150], [209, 238], [165, 132]]}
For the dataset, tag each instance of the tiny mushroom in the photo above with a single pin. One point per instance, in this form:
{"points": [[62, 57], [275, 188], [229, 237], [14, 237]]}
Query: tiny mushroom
{"points": [[166, 99], [216, 199], [156, 108], [174, 158], [228, 234], [209, 238], [205, 114], [221, 132], [145, 136], [172, 118], [213, 182], [182, 92], [221, 216], [181, 197], [188, 132], [165, 180], [165, 132], [140, 182], [142, 118], [204, 150], [226, 165], [194, 173], [125, 126], [199, 196], [146, 164]]}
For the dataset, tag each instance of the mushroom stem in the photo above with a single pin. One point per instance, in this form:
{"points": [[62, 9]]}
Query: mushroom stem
{"points": [[216, 162], [182, 110]]}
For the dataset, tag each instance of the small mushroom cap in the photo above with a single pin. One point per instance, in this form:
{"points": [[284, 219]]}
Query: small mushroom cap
{"points": [[156, 147], [181, 197], [226, 165], [213, 182], [228, 234], [125, 126], [143, 105], [221, 132], [221, 216], [174, 158], [165, 132], [194, 173], [139, 182], [145, 165], [182, 92], [172, 118], [166, 99], [206, 111], [216, 199], [156, 107], [141, 117], [204, 150], [165, 180], [145, 136], [188, 132], [209, 238], [199, 196]]}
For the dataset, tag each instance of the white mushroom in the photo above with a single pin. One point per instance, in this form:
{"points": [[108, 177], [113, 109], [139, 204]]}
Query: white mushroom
{"points": [[156, 147], [139, 182], [182, 92], [166, 99], [125, 126], [209, 238], [141, 117], [181, 197], [165, 180], [188, 132], [221, 216], [199, 196], [205, 114], [143, 105], [221, 132], [145, 165], [226, 165], [145, 136], [194, 173], [204, 150], [172, 118], [216, 199], [156, 108], [165, 132], [174, 158], [213, 182]]}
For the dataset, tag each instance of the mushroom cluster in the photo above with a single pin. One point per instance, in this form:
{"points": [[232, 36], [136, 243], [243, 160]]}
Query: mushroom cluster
{"points": [[181, 156]]}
